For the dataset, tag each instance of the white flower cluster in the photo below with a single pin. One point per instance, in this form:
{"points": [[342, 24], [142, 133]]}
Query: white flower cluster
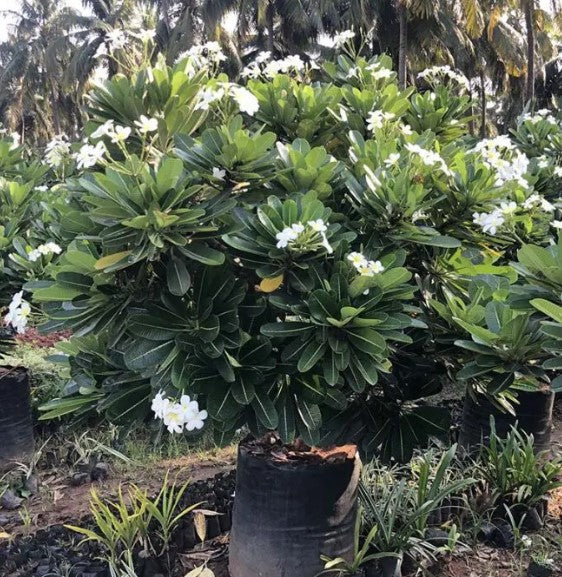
{"points": [[44, 249], [16, 140], [511, 169], [377, 118], [490, 222], [364, 266], [428, 157], [538, 200], [262, 65], [245, 100], [203, 55], [115, 132], [341, 38], [441, 72], [18, 313], [146, 35], [539, 116], [115, 39], [291, 234], [89, 155], [57, 151], [380, 73], [178, 416]]}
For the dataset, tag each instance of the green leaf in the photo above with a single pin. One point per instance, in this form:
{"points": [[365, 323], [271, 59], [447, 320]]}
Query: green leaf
{"points": [[202, 253], [367, 340], [286, 329], [56, 293], [552, 310], [178, 277], [75, 281], [309, 414], [286, 426], [145, 354], [112, 259], [311, 355], [265, 410], [168, 174], [479, 334], [243, 391]]}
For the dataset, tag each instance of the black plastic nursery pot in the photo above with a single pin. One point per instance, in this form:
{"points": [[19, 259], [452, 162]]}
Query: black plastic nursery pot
{"points": [[533, 415], [16, 424], [290, 511]]}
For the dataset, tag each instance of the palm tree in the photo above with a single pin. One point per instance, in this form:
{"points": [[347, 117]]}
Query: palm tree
{"points": [[402, 43], [275, 25], [33, 60], [528, 8]]}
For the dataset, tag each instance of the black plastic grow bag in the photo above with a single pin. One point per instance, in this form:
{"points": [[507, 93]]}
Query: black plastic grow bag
{"points": [[287, 514], [16, 425], [533, 415]]}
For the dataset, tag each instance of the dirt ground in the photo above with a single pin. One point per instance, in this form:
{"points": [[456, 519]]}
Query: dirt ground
{"points": [[58, 501]]}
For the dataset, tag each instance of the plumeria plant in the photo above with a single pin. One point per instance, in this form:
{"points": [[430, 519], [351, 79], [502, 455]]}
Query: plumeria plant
{"points": [[263, 253]]}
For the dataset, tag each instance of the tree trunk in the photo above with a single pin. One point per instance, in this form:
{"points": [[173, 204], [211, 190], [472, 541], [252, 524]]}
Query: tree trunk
{"points": [[165, 13], [483, 104], [402, 45], [269, 15], [55, 107], [529, 10]]}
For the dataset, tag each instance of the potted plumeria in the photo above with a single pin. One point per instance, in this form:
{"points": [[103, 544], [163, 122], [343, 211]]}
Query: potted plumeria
{"points": [[501, 351], [16, 426]]}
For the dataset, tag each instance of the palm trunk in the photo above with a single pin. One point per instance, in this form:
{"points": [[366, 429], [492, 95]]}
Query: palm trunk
{"points": [[55, 107], [402, 45], [165, 12], [529, 10], [269, 15], [483, 104]]}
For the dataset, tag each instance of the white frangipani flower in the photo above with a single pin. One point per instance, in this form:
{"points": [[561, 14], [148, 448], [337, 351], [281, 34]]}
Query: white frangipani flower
{"points": [[508, 207], [538, 200], [104, 129], [363, 266], [285, 237], [317, 225], [392, 159], [382, 74], [377, 118], [246, 101], [406, 130], [146, 125], [44, 249], [490, 222], [178, 416], [90, 155], [119, 134], [437, 73], [57, 151], [207, 97], [341, 38], [357, 259], [19, 311], [219, 173], [159, 405]]}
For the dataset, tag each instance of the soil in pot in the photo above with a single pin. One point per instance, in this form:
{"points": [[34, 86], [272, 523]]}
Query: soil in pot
{"points": [[533, 415], [292, 505], [16, 425]]}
